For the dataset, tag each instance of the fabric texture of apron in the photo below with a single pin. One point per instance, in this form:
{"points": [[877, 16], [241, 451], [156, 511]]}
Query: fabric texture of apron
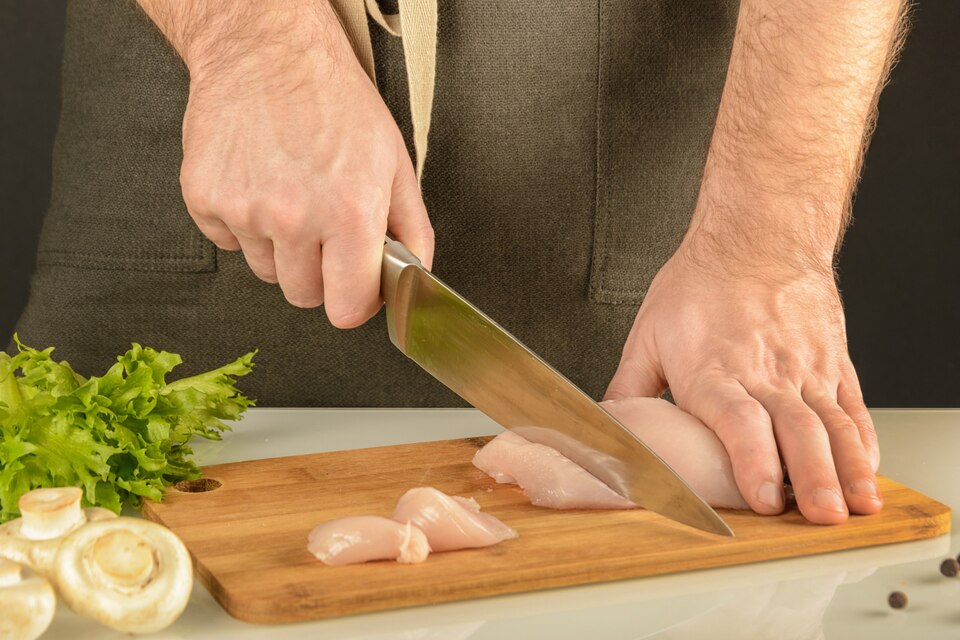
{"points": [[566, 149]]}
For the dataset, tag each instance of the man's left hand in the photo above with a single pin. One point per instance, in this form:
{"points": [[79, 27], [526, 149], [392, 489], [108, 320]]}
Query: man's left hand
{"points": [[759, 354]]}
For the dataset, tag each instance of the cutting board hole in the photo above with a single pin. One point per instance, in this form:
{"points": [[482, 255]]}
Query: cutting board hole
{"points": [[198, 486]]}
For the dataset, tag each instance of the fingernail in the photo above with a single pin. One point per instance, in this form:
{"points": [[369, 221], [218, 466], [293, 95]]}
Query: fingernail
{"points": [[770, 495], [865, 488], [830, 500]]}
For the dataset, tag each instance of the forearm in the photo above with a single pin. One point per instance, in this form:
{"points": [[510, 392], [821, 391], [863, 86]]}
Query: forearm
{"points": [[212, 35], [796, 111]]}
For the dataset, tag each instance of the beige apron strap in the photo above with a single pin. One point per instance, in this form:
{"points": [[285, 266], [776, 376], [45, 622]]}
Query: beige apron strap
{"points": [[353, 18], [416, 24]]}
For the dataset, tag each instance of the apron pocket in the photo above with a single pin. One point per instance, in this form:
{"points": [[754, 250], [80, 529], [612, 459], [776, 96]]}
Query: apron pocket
{"points": [[116, 201], [129, 218], [132, 242], [662, 67]]}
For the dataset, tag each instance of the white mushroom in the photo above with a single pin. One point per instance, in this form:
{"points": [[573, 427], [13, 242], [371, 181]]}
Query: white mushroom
{"points": [[132, 575], [47, 515], [28, 602]]}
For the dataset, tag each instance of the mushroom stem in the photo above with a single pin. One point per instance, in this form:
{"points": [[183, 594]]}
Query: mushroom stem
{"points": [[123, 558], [50, 513]]}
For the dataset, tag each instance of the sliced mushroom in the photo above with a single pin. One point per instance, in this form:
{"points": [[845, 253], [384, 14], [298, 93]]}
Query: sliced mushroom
{"points": [[132, 575], [46, 516], [28, 602]]}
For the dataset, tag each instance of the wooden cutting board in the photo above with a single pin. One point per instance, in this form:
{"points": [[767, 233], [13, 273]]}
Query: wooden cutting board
{"points": [[248, 537]]}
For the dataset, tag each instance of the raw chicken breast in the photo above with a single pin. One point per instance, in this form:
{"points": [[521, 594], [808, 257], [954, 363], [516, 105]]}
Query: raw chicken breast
{"points": [[551, 480], [450, 522], [546, 477], [363, 538]]}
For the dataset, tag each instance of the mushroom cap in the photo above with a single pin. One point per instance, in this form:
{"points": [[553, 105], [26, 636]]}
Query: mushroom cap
{"points": [[15, 545], [132, 575], [10, 573], [28, 603]]}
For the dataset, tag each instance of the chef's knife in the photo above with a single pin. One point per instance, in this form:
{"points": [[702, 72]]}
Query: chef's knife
{"points": [[489, 368]]}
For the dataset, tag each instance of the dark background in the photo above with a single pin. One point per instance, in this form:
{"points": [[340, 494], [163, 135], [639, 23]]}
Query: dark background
{"points": [[898, 267]]}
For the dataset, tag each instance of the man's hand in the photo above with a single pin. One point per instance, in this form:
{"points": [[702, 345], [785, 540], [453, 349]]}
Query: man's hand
{"points": [[761, 358], [290, 153], [744, 324]]}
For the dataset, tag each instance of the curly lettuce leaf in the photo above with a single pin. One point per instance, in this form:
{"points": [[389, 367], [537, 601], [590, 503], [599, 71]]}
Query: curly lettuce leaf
{"points": [[121, 436]]}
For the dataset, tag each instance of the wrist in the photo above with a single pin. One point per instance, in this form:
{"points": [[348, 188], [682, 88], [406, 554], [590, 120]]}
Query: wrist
{"points": [[724, 255], [279, 37], [748, 227], [742, 241], [214, 38]]}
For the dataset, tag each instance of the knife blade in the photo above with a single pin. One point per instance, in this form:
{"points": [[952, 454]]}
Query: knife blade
{"points": [[489, 368]]}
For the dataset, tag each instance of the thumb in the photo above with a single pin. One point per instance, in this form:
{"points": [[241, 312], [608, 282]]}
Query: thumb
{"points": [[408, 220], [637, 376]]}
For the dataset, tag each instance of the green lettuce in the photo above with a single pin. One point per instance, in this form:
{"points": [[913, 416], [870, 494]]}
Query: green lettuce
{"points": [[121, 436]]}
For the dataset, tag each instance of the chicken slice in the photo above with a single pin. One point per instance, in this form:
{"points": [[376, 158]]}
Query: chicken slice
{"points": [[358, 539], [450, 522], [551, 480], [547, 477]]}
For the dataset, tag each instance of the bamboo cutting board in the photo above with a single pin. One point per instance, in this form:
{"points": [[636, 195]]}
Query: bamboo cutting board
{"points": [[248, 536]]}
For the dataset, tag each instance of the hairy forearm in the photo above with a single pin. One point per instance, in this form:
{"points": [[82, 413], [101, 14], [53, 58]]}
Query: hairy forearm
{"points": [[796, 111], [211, 35]]}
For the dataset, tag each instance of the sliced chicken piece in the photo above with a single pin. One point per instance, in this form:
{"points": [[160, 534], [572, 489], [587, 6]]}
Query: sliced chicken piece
{"points": [[548, 478], [551, 480], [364, 538], [450, 522]]}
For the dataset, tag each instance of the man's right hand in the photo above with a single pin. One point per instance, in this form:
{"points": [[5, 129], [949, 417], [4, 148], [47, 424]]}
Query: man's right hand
{"points": [[289, 152]]}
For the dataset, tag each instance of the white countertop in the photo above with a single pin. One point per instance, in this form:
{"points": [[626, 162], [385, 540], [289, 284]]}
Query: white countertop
{"points": [[838, 595]]}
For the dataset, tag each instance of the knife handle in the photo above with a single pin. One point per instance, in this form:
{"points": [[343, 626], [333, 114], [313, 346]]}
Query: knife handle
{"points": [[396, 258]]}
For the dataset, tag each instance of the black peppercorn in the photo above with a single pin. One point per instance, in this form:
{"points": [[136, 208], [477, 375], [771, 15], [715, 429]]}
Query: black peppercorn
{"points": [[950, 568], [897, 599]]}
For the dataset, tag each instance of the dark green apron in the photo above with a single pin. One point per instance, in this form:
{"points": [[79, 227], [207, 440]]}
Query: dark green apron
{"points": [[566, 150]]}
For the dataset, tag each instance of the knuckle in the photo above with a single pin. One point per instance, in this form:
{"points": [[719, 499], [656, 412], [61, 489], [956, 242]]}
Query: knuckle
{"points": [[750, 458], [813, 475], [286, 222], [802, 420], [196, 195], [855, 395], [617, 391], [367, 224], [261, 265], [223, 239], [282, 202], [638, 365], [824, 474], [234, 209], [840, 424], [869, 436], [862, 417], [742, 410], [426, 232]]}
